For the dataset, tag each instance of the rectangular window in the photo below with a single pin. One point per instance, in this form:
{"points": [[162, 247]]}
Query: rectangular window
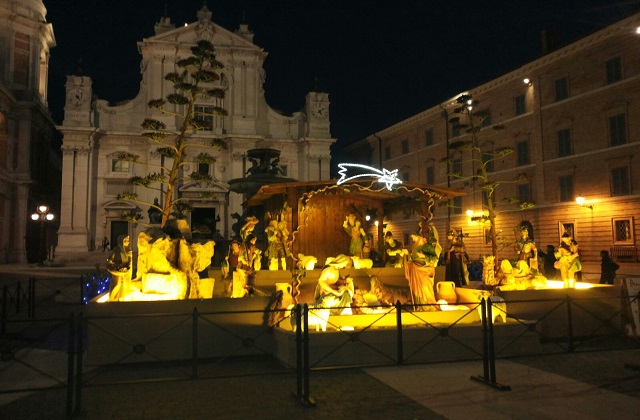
{"points": [[522, 150], [455, 127], [521, 107], [564, 142], [405, 176], [566, 227], [456, 166], [524, 193], [562, 89], [431, 175], [405, 147], [485, 116], [204, 115], [566, 188], [21, 59], [457, 205], [487, 158], [614, 70], [487, 236], [387, 153], [203, 168], [623, 231], [618, 129], [620, 184], [428, 136], [120, 165]]}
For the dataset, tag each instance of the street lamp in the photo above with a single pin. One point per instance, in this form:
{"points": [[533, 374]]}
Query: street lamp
{"points": [[42, 214]]}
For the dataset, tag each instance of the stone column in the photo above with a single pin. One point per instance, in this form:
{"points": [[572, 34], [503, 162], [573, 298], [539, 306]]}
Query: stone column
{"points": [[73, 235]]}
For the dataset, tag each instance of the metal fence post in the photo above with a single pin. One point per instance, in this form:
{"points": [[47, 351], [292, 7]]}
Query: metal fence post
{"points": [[298, 317], [32, 297], [3, 313], [18, 293], [491, 345], [569, 325], [399, 329], [194, 344], [70, 366], [79, 359], [307, 368]]}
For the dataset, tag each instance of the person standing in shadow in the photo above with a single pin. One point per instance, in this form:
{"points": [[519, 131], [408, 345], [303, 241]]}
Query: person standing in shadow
{"points": [[608, 268], [549, 258]]}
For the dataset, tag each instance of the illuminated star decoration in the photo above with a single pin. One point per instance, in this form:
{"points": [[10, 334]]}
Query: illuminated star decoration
{"points": [[385, 176]]}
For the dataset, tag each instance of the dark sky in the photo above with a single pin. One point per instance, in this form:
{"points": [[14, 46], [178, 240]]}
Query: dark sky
{"points": [[380, 61]]}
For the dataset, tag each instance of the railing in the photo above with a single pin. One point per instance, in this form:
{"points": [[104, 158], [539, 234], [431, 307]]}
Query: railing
{"points": [[15, 299], [386, 340]]}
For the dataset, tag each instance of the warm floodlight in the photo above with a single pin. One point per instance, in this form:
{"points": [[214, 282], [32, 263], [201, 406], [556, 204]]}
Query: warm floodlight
{"points": [[581, 201]]}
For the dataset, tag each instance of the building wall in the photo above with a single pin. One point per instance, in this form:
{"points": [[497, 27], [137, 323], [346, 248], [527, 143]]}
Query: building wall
{"points": [[591, 161], [95, 131], [29, 166]]}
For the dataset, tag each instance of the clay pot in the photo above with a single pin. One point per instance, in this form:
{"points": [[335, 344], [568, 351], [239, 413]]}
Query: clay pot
{"points": [[287, 298], [446, 290]]}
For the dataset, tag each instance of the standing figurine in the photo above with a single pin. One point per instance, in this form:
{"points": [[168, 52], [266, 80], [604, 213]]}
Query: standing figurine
{"points": [[420, 269], [568, 259], [248, 264], [119, 266], [526, 248], [353, 227], [456, 261], [277, 235]]}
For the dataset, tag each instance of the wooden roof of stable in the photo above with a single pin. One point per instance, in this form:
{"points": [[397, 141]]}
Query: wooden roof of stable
{"points": [[399, 195]]}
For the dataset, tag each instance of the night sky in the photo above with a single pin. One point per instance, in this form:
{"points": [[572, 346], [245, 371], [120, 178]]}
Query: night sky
{"points": [[380, 61]]}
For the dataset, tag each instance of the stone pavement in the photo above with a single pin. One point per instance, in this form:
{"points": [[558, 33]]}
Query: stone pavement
{"points": [[588, 385]]}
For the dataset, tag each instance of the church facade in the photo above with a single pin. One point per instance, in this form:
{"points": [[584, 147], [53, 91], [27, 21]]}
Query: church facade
{"points": [[29, 164], [95, 133]]}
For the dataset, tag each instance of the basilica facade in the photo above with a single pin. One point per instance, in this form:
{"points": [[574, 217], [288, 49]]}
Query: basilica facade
{"points": [[96, 132]]}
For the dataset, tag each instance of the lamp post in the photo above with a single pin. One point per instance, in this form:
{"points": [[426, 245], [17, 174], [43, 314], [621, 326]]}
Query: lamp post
{"points": [[42, 214]]}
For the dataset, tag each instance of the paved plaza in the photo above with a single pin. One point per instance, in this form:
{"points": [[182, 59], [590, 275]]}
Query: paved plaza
{"points": [[585, 385]]}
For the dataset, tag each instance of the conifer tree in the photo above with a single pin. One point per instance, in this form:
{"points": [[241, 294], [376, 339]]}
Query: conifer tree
{"points": [[195, 81], [481, 158]]}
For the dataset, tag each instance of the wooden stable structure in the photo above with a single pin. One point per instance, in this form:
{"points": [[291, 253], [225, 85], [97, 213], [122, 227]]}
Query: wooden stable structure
{"points": [[315, 211]]}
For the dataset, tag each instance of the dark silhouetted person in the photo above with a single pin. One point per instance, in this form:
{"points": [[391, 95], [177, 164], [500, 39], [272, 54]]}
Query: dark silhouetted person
{"points": [[608, 268]]}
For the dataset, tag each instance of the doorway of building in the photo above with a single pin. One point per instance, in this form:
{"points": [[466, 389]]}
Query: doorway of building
{"points": [[118, 228], [203, 222]]}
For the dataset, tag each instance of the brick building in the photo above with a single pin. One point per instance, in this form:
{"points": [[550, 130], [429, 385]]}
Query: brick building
{"points": [[572, 118]]}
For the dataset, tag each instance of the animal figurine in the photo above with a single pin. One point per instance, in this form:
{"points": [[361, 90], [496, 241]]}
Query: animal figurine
{"points": [[361, 263]]}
